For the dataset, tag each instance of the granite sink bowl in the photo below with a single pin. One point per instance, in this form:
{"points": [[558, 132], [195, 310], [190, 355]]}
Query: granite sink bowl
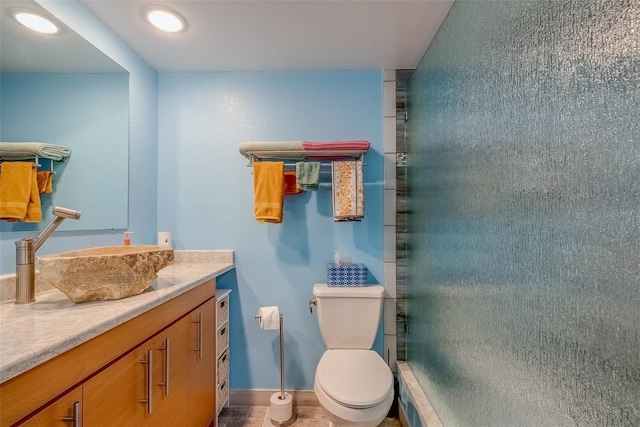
{"points": [[104, 273]]}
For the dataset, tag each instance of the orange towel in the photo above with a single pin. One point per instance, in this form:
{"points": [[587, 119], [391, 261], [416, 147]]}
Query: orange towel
{"points": [[15, 189], [45, 179], [34, 210], [268, 191], [49, 188], [290, 187]]}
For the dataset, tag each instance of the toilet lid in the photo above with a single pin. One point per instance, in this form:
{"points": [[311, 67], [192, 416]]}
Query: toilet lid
{"points": [[354, 378]]}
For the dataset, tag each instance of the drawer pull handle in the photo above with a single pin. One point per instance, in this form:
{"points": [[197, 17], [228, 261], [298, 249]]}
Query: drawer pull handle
{"points": [[223, 303], [149, 363], [166, 350], [224, 358], [75, 419], [223, 331], [199, 322]]}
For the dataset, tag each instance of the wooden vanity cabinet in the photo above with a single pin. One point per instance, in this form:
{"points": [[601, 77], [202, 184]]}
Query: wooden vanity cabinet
{"points": [[147, 387], [202, 365], [111, 373], [171, 351], [66, 411], [113, 397]]}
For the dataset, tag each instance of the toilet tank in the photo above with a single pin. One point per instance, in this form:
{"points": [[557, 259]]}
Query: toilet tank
{"points": [[348, 317]]}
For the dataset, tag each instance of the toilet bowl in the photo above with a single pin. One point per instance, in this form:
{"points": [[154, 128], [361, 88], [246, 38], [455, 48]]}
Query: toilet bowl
{"points": [[354, 387]]}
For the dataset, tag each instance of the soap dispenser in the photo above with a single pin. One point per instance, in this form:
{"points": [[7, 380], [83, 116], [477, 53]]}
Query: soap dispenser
{"points": [[127, 238]]}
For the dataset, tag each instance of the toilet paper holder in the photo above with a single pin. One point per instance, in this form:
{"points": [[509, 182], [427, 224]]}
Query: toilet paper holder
{"points": [[282, 392]]}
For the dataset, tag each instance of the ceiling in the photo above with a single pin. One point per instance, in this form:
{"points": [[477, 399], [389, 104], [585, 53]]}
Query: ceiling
{"points": [[244, 35]]}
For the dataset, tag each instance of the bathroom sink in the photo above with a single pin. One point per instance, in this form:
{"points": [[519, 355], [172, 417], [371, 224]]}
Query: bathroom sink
{"points": [[104, 273]]}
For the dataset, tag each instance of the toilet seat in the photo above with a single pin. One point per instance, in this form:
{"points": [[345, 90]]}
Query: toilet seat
{"points": [[355, 378]]}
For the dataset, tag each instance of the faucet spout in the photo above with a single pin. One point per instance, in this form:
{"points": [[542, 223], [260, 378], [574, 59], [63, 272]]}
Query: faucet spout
{"points": [[26, 254]]}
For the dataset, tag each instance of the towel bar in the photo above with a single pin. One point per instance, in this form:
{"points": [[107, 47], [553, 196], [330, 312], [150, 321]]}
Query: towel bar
{"points": [[323, 162]]}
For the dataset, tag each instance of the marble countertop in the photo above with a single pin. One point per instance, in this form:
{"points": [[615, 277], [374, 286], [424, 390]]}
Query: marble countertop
{"points": [[31, 334]]}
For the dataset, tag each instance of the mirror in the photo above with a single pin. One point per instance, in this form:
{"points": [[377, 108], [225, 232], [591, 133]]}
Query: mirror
{"points": [[60, 89]]}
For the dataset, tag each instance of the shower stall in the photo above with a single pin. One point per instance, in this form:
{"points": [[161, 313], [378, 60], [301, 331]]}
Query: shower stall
{"points": [[518, 215]]}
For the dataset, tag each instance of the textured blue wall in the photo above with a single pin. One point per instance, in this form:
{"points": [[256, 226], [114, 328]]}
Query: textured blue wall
{"points": [[206, 200], [524, 190]]}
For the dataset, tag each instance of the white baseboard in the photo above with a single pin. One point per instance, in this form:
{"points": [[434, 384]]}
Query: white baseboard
{"points": [[263, 397]]}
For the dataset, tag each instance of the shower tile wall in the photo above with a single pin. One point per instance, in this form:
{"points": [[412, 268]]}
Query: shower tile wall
{"points": [[390, 339], [523, 271], [395, 134], [402, 79]]}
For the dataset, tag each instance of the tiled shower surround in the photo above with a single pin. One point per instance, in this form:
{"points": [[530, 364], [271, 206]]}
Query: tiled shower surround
{"points": [[523, 268], [402, 80]]}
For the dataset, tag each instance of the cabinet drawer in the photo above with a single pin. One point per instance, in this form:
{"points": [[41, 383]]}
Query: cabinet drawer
{"points": [[223, 395], [223, 366], [222, 338], [222, 310]]}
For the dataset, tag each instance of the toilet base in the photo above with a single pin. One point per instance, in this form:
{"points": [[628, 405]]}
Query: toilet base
{"points": [[342, 416]]}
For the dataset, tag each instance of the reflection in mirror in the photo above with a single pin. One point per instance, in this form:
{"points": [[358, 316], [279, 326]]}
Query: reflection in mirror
{"points": [[60, 89]]}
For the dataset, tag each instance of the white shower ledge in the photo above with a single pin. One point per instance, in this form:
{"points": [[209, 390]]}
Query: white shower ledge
{"points": [[34, 333]]}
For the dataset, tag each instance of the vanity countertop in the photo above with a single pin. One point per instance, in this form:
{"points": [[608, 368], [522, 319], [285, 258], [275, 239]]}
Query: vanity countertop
{"points": [[31, 334]]}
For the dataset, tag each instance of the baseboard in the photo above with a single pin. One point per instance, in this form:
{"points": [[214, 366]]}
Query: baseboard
{"points": [[263, 397]]}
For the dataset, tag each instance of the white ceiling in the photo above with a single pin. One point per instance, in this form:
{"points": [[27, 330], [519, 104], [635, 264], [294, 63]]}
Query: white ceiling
{"points": [[241, 35]]}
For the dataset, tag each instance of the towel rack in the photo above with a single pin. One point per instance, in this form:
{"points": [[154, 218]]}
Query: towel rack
{"points": [[289, 160], [35, 159], [322, 156], [295, 151]]}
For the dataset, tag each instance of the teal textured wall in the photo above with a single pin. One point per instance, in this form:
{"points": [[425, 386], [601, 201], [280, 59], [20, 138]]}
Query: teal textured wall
{"points": [[524, 193]]}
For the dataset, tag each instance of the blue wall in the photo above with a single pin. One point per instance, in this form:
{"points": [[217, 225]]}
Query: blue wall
{"points": [[524, 193], [143, 132], [206, 199]]}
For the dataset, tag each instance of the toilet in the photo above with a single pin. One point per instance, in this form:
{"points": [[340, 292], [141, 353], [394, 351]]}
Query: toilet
{"points": [[353, 384]]}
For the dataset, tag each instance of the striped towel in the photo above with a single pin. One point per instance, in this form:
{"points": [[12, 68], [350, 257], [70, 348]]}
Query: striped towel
{"points": [[348, 190]]}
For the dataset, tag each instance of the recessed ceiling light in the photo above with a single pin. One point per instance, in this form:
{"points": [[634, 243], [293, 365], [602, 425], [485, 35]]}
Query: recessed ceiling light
{"points": [[36, 22], [165, 19]]}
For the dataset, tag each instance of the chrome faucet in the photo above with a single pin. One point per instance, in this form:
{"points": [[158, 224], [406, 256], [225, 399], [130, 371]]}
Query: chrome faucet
{"points": [[26, 255]]}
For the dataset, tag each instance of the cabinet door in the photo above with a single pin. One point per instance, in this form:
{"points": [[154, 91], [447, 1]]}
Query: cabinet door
{"points": [[119, 395], [202, 365], [171, 351], [66, 411]]}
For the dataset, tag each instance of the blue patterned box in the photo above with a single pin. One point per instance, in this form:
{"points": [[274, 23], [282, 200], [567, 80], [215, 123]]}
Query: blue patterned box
{"points": [[346, 275]]}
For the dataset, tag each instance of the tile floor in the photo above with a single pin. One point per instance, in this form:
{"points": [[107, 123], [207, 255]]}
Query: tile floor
{"points": [[258, 416]]}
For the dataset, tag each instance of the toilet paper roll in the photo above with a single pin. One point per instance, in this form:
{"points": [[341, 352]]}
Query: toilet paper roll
{"points": [[269, 317], [164, 239], [281, 409]]}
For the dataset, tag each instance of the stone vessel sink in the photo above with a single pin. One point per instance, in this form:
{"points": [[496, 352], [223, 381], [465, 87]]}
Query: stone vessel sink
{"points": [[104, 273]]}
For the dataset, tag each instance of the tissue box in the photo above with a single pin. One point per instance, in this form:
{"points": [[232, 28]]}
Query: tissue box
{"points": [[346, 275]]}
